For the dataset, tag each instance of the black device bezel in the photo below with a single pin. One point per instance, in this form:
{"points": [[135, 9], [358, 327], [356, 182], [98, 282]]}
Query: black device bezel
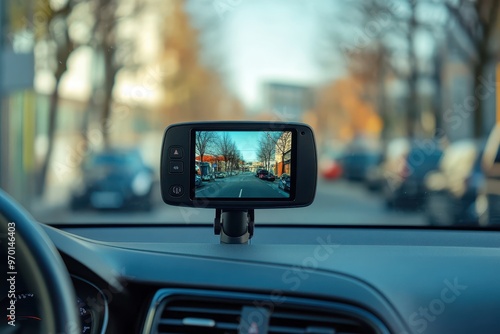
{"points": [[182, 135]]}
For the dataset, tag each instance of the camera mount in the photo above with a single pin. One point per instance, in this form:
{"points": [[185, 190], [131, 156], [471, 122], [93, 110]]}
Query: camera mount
{"points": [[234, 226]]}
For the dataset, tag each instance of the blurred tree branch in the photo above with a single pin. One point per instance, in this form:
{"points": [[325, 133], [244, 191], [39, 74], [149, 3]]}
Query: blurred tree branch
{"points": [[58, 33], [476, 21]]}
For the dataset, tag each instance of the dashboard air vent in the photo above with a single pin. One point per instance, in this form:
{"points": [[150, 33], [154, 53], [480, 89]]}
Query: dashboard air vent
{"points": [[179, 311], [199, 315], [313, 321]]}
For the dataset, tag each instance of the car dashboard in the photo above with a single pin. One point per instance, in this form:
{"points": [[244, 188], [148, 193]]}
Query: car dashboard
{"points": [[293, 279]]}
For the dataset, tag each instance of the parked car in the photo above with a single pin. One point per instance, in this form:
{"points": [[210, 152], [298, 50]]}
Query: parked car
{"points": [[357, 163], [390, 158], [269, 177], [220, 175], [330, 165], [454, 191], [198, 182], [404, 171], [206, 171], [332, 170], [115, 178], [261, 173], [375, 176], [284, 182]]}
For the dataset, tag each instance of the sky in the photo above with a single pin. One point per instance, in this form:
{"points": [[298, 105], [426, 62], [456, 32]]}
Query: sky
{"points": [[270, 41], [284, 41], [262, 41], [247, 143]]}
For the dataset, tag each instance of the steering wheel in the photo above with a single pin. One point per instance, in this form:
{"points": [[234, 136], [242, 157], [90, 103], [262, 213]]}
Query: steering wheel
{"points": [[39, 264]]}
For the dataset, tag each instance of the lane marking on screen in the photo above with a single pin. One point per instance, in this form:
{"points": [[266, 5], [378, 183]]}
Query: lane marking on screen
{"points": [[241, 190]]}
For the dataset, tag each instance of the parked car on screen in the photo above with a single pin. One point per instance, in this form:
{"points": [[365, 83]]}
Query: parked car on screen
{"points": [[258, 172], [112, 179], [454, 191], [284, 182], [261, 173], [206, 171], [198, 182], [269, 177], [220, 175], [404, 170]]}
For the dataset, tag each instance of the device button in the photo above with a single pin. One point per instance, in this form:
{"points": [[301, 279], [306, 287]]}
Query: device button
{"points": [[176, 167], [175, 152], [176, 190]]}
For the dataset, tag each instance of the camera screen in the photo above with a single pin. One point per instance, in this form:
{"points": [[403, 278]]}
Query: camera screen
{"points": [[243, 164]]}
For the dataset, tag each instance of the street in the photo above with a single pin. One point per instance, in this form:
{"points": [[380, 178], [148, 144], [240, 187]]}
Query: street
{"points": [[245, 185], [339, 202]]}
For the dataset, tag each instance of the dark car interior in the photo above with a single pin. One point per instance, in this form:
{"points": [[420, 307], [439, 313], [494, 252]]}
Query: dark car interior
{"points": [[150, 279]]}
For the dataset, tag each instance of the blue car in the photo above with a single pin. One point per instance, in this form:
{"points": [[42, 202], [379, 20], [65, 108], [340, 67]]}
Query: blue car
{"points": [[284, 182], [114, 179]]}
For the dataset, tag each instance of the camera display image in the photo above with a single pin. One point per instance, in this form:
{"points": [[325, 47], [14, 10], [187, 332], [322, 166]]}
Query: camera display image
{"points": [[243, 164]]}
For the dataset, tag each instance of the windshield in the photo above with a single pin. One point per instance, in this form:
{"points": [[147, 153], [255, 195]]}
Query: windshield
{"points": [[402, 96]]}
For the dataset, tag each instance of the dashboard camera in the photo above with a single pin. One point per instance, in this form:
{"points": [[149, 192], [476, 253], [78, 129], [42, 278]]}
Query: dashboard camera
{"points": [[238, 165]]}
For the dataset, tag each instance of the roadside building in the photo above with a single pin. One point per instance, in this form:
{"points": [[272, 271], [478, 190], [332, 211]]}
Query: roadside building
{"points": [[17, 98], [283, 154], [287, 102]]}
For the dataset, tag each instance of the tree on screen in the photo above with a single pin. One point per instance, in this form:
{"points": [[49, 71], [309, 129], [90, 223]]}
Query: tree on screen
{"points": [[204, 140], [267, 149], [225, 147]]}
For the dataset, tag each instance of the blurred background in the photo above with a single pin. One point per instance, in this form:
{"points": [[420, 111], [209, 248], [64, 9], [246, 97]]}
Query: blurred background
{"points": [[402, 96]]}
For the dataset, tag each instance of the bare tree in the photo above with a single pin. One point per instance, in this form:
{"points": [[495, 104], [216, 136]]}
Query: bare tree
{"points": [[236, 158], [476, 20], [225, 147], [266, 150], [117, 52], [386, 47], [58, 33], [470, 24], [404, 26], [203, 143], [239, 161], [233, 156]]}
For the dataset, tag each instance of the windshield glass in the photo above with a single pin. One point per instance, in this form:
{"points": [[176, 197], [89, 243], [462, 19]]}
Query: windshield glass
{"points": [[402, 96]]}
